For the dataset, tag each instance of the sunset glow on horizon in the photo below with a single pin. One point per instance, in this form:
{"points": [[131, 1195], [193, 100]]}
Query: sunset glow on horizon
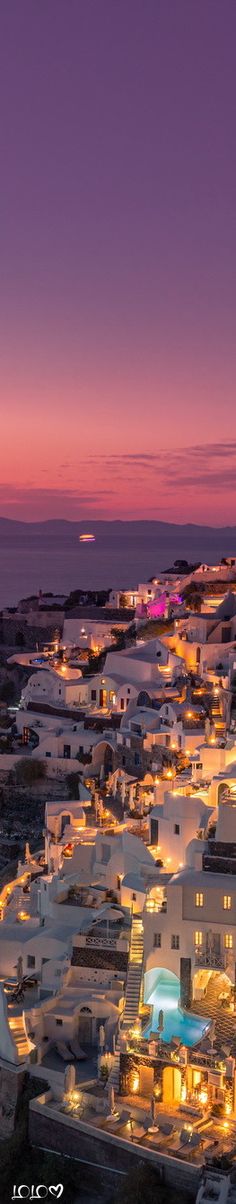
{"points": [[117, 333]]}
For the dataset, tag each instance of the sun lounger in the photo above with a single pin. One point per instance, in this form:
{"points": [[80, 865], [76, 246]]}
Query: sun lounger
{"points": [[78, 1053], [64, 1052]]}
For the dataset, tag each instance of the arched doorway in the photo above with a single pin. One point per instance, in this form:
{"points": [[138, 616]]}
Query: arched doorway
{"points": [[171, 1085], [85, 1026], [223, 788], [143, 699]]}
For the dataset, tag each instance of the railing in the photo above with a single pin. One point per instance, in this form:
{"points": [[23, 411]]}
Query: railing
{"points": [[209, 957], [209, 1060], [152, 906], [104, 942], [165, 1052]]}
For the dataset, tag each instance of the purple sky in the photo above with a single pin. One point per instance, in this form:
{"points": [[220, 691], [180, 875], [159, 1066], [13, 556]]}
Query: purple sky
{"points": [[117, 253]]}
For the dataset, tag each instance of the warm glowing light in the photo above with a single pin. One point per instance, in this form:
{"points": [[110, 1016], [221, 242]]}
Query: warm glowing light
{"points": [[22, 915], [134, 1082], [228, 1109], [203, 1097]]}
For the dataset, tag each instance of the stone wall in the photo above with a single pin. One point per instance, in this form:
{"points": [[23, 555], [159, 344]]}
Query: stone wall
{"points": [[100, 959], [131, 1062], [16, 633], [108, 1154], [12, 1080]]}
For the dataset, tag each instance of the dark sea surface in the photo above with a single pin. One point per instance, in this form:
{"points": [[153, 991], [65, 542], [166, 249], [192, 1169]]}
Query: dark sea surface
{"points": [[49, 556]]}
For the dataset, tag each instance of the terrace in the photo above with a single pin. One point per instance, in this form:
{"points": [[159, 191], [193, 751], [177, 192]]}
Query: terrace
{"points": [[162, 1135]]}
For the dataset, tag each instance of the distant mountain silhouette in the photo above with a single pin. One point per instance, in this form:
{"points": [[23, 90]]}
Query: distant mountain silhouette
{"points": [[171, 540]]}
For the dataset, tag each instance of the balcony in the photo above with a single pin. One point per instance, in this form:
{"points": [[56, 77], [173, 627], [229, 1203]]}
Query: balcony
{"points": [[212, 959], [154, 906]]}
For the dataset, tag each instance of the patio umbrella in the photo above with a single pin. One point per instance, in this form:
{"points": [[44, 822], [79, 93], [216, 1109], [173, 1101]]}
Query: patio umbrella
{"points": [[69, 1079], [19, 968], [101, 1036], [111, 1098], [212, 1033], [153, 1127]]}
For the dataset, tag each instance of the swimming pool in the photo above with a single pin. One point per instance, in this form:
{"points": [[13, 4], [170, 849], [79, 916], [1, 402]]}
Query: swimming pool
{"points": [[161, 992]]}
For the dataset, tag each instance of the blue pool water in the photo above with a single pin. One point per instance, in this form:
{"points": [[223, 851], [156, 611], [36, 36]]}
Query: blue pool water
{"points": [[161, 992], [189, 1028]]}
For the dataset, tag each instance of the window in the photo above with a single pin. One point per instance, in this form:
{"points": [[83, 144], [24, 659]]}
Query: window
{"points": [[105, 854], [93, 695], [30, 961], [198, 939], [176, 829], [67, 751], [175, 941], [134, 896], [227, 902], [228, 942], [157, 940], [199, 899], [65, 821], [58, 1021]]}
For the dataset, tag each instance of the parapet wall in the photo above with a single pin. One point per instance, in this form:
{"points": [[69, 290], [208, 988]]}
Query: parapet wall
{"points": [[102, 1150]]}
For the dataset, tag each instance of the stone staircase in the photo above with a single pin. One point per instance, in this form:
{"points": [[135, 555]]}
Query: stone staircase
{"points": [[134, 973], [132, 992], [23, 1046], [217, 718]]}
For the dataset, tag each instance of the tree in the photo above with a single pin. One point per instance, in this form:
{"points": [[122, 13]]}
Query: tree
{"points": [[72, 782], [193, 596], [119, 637], [29, 771], [20, 639]]}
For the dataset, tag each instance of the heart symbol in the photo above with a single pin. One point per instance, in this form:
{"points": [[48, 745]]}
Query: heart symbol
{"points": [[56, 1191]]}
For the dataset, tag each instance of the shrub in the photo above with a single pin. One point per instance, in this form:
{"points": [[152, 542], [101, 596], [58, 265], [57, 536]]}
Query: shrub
{"points": [[27, 771]]}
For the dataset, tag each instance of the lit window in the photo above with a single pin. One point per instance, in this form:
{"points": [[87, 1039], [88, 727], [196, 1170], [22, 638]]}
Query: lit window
{"points": [[198, 939], [228, 940], [227, 902], [199, 899]]}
